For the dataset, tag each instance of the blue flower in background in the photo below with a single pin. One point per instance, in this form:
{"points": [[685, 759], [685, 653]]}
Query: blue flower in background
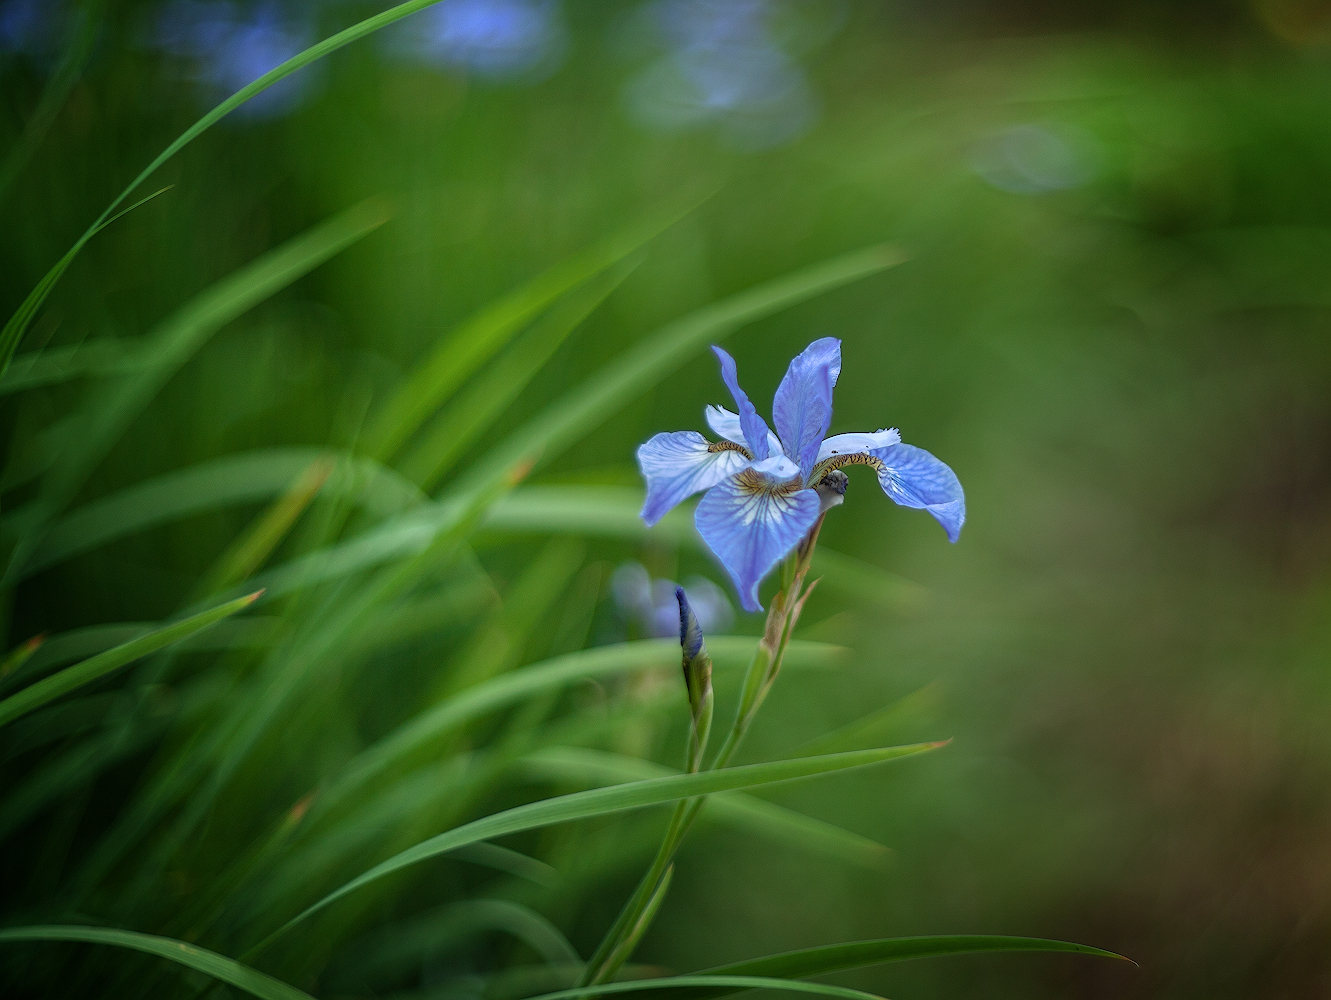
{"points": [[493, 38], [655, 605], [765, 490], [228, 45], [722, 65], [27, 25]]}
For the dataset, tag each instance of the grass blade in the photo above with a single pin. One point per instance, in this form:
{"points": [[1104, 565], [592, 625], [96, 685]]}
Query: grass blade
{"points": [[18, 324], [465, 419], [601, 801], [179, 337], [735, 808], [210, 963], [76, 676], [518, 685], [478, 338], [60, 364], [854, 954], [235, 479], [727, 983], [252, 549]]}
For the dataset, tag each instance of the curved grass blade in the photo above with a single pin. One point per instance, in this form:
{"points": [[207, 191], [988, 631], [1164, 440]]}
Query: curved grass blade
{"points": [[255, 632], [407, 941], [455, 429], [601, 801], [210, 963], [59, 364], [235, 479], [730, 984], [735, 808], [18, 324], [854, 954], [478, 338], [89, 670], [527, 682], [20, 655], [253, 548], [176, 340]]}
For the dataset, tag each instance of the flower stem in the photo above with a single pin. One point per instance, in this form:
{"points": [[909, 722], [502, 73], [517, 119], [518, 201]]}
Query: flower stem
{"points": [[617, 946]]}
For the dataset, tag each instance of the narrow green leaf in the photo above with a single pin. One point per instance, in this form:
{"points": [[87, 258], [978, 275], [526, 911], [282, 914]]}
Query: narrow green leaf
{"points": [[60, 364], [518, 685], [853, 954], [406, 942], [18, 324], [600, 801], [76, 676], [253, 548], [249, 477], [735, 808], [731, 984], [465, 419], [478, 338], [210, 963], [176, 339]]}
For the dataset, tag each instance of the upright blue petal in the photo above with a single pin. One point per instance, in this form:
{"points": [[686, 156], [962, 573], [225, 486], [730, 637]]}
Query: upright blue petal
{"points": [[802, 409], [680, 464], [914, 478], [752, 521], [727, 425], [755, 428]]}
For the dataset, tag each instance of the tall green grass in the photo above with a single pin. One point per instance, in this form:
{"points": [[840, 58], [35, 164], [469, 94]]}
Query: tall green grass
{"points": [[283, 811]]}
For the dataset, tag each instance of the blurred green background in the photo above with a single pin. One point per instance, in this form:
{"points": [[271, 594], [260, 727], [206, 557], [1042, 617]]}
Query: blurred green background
{"points": [[1112, 323]]}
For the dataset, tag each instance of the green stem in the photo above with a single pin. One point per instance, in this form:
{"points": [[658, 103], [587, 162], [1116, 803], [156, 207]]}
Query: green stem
{"points": [[617, 946]]}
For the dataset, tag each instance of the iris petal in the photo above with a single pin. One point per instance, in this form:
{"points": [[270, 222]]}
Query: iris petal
{"points": [[914, 478], [680, 464], [850, 444], [755, 428], [752, 522], [802, 409], [726, 424]]}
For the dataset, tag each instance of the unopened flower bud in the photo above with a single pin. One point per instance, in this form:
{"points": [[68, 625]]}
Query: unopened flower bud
{"points": [[697, 664]]}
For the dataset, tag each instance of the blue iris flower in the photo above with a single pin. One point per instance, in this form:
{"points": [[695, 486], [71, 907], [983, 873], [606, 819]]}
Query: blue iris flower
{"points": [[766, 490]]}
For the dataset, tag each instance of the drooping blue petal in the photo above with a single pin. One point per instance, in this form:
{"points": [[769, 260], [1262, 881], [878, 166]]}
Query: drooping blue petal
{"points": [[680, 464], [752, 522], [727, 425], [755, 428], [802, 409], [852, 444], [914, 478]]}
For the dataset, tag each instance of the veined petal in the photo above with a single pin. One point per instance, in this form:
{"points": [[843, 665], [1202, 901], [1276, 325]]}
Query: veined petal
{"points": [[755, 428], [752, 521], [802, 408], [726, 424], [680, 464], [849, 444], [914, 478]]}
